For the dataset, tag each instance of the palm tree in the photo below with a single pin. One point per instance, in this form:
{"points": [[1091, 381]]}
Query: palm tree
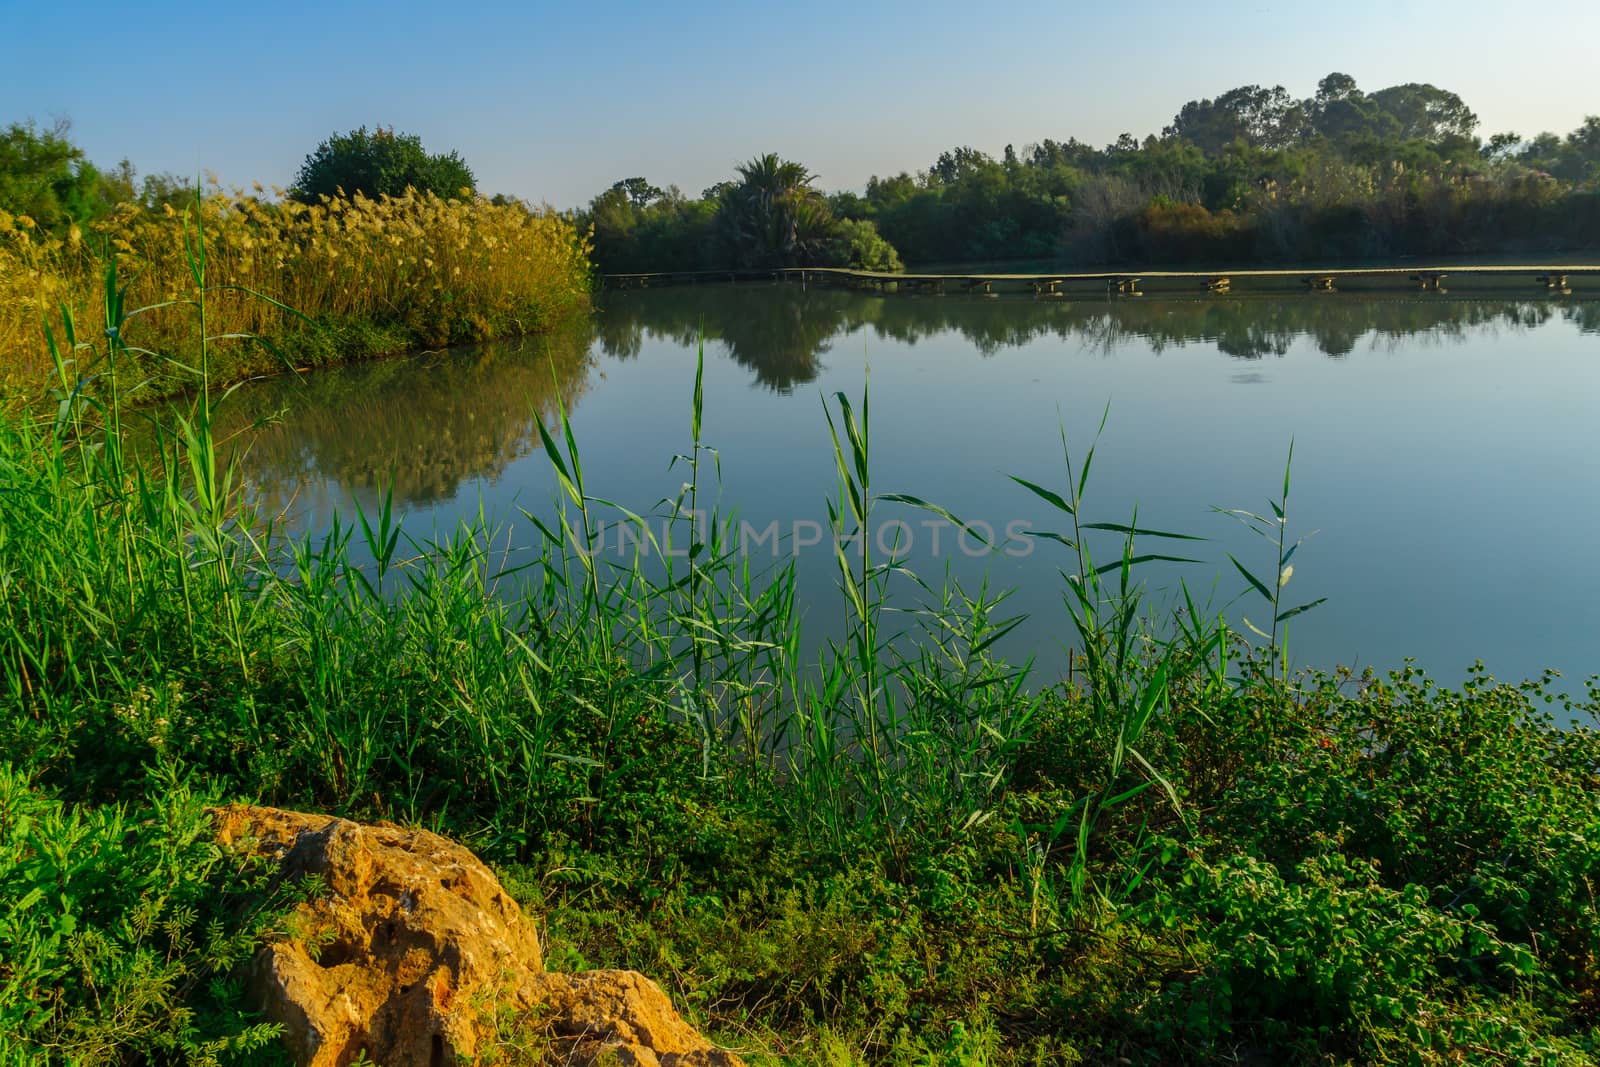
{"points": [[773, 217]]}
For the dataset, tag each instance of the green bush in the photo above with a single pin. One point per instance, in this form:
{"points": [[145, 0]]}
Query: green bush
{"points": [[120, 930], [380, 163]]}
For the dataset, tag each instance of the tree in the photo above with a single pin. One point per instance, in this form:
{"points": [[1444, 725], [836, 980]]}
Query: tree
{"points": [[857, 243], [1336, 86], [1542, 152], [379, 163], [1502, 145], [1262, 118], [773, 217], [638, 191], [1342, 113], [1425, 112], [44, 176], [1580, 154], [952, 167]]}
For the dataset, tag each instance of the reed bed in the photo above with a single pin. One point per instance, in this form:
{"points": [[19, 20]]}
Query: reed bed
{"points": [[364, 277]]}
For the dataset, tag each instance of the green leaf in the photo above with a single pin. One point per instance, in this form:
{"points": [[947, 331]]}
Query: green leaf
{"points": [[1051, 536], [550, 448], [935, 509], [1054, 499], [1140, 531], [1133, 561], [699, 384], [1260, 586], [1292, 612]]}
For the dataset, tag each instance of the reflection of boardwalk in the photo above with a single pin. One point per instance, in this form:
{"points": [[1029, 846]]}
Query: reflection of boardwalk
{"points": [[1132, 283]]}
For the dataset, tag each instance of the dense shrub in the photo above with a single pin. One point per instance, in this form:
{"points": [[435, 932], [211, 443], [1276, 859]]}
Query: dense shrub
{"points": [[120, 929]]}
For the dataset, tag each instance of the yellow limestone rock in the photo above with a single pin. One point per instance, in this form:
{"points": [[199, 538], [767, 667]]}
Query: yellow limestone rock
{"points": [[415, 949]]}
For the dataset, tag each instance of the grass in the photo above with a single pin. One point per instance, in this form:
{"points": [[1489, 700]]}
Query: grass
{"points": [[904, 853], [378, 277]]}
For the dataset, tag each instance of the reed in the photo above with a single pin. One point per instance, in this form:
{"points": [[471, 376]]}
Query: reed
{"points": [[365, 277]]}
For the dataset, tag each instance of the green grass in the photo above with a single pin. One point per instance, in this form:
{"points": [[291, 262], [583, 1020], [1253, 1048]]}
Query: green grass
{"points": [[902, 853]]}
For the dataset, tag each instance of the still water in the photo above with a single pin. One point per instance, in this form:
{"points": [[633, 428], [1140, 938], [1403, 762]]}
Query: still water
{"points": [[1446, 451]]}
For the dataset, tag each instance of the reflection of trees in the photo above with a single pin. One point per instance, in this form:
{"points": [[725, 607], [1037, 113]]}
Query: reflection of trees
{"points": [[1585, 315], [431, 422], [778, 331]]}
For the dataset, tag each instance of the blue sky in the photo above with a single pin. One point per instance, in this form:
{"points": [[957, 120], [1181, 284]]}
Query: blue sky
{"points": [[555, 101]]}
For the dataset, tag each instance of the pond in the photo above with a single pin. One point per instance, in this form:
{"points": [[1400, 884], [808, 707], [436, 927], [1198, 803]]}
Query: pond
{"points": [[1446, 471]]}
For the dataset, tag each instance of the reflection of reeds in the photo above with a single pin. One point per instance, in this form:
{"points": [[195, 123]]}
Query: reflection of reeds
{"points": [[376, 275], [421, 427]]}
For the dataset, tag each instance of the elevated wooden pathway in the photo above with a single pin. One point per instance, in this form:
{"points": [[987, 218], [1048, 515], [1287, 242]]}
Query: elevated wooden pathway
{"points": [[1555, 279]]}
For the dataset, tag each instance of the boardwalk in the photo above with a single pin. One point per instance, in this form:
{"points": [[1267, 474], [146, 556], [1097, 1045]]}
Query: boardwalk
{"points": [[1558, 279]]}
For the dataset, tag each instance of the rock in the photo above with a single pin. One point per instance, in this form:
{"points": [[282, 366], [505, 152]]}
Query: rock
{"points": [[414, 954], [620, 1012]]}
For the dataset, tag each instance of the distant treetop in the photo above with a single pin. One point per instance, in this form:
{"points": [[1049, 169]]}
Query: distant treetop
{"points": [[377, 163]]}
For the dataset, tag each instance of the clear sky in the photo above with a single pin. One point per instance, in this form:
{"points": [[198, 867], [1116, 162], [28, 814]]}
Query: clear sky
{"points": [[555, 101]]}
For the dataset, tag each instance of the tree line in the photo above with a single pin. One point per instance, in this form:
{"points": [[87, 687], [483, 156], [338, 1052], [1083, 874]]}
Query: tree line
{"points": [[1252, 175], [770, 216]]}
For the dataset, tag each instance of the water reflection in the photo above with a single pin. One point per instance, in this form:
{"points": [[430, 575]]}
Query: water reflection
{"points": [[780, 332], [437, 421], [429, 423], [1419, 466]]}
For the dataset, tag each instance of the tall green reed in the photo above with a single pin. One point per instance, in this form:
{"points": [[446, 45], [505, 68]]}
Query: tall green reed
{"points": [[1127, 664], [1274, 530]]}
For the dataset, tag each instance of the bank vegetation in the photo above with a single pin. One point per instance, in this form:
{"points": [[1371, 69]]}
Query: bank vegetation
{"points": [[1254, 175]]}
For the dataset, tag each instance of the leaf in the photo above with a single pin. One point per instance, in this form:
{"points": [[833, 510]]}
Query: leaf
{"points": [[1126, 795], [1051, 536], [1260, 586], [551, 450], [258, 295], [1000, 631], [699, 383], [1151, 557], [1054, 499], [918, 502], [1292, 612], [1161, 780], [1123, 528]]}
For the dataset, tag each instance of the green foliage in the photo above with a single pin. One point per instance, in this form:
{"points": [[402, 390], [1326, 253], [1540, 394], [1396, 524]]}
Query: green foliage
{"points": [[771, 217], [1375, 970], [857, 243], [1475, 794], [1251, 175], [1262, 118], [905, 854], [380, 163], [44, 176], [664, 233], [120, 929]]}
